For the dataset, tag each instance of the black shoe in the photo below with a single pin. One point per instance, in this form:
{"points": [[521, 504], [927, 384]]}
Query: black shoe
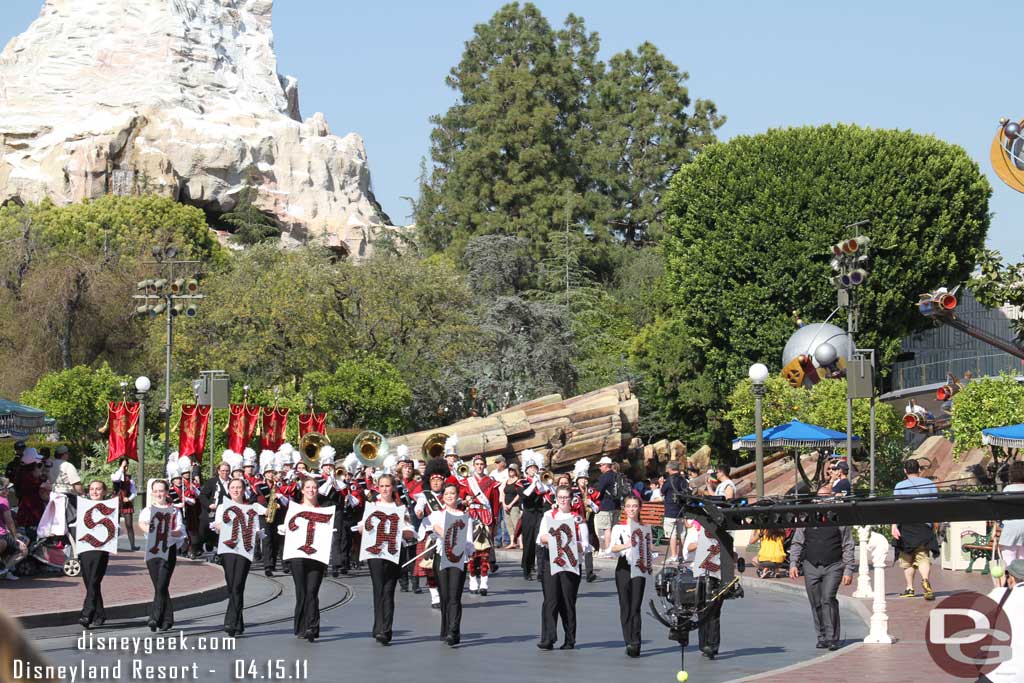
{"points": [[230, 631], [380, 638], [287, 569], [435, 605], [417, 590], [494, 568], [483, 591], [84, 621], [546, 646], [344, 571], [528, 576], [708, 652], [168, 627], [335, 572], [452, 641], [567, 646], [833, 646], [135, 548], [152, 625], [96, 623], [405, 587], [309, 636], [822, 644], [268, 572], [591, 578], [632, 650]]}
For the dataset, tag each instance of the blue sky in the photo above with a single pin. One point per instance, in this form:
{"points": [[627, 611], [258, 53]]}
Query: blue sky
{"points": [[943, 68]]}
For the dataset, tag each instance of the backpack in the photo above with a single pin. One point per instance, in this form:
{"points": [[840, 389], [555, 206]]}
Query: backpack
{"points": [[619, 488]]}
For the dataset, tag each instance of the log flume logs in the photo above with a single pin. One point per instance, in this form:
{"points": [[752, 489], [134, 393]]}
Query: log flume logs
{"points": [[562, 430]]}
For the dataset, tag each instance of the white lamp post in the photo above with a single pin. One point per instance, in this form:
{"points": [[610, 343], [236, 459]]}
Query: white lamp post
{"points": [[758, 374], [142, 386]]}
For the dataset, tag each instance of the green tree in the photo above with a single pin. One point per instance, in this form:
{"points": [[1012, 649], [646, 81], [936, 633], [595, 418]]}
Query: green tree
{"points": [[983, 403], [363, 392], [77, 399], [643, 132], [251, 225], [752, 222], [503, 154], [996, 284]]}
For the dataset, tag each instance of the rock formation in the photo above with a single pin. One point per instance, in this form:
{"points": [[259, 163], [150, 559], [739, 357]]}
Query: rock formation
{"points": [[180, 97]]}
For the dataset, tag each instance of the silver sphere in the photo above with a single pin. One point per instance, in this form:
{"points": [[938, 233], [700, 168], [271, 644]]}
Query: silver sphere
{"points": [[825, 355], [1011, 130], [811, 337]]}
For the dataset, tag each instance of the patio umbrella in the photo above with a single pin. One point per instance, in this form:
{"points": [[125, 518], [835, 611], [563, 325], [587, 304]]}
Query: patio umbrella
{"points": [[1011, 436], [798, 434]]}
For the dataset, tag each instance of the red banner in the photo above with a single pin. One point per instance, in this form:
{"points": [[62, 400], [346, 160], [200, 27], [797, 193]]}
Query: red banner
{"points": [[192, 431], [241, 426], [313, 422], [122, 440], [274, 422]]}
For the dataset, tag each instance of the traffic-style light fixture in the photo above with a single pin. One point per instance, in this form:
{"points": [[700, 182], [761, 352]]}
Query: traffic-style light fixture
{"points": [[852, 246], [193, 285], [157, 309], [191, 310], [142, 310], [847, 260], [144, 285], [177, 285], [160, 284], [177, 309]]}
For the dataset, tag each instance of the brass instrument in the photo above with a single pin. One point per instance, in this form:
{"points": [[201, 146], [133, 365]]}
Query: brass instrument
{"points": [[433, 447], [463, 470], [272, 504], [547, 478], [310, 447], [370, 448]]}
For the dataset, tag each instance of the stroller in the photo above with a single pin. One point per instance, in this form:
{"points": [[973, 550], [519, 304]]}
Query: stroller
{"points": [[54, 550]]}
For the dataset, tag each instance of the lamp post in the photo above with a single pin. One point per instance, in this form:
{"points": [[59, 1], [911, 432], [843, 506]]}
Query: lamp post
{"points": [[758, 374], [172, 295], [142, 386]]}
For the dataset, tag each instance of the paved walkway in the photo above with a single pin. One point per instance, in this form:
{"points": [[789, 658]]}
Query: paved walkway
{"points": [[56, 600]]}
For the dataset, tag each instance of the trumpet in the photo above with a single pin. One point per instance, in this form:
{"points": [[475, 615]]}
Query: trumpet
{"points": [[463, 470]]}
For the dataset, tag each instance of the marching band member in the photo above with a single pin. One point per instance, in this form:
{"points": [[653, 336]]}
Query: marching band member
{"points": [[451, 580], [632, 555], [560, 588], [307, 573], [236, 552], [165, 531], [531, 492], [281, 492], [212, 492], [124, 486], [477, 491], [351, 511], [333, 491], [94, 568], [384, 571], [586, 503], [430, 501], [451, 457], [406, 488], [190, 496], [248, 475]]}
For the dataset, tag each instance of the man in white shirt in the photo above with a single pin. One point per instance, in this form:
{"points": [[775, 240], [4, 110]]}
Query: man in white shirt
{"points": [[67, 480], [1011, 670]]}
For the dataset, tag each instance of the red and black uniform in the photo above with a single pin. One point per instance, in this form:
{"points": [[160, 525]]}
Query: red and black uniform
{"points": [[275, 541], [479, 507], [531, 493]]}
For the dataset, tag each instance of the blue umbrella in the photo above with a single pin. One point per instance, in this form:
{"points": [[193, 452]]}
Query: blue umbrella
{"points": [[1008, 437], [795, 433]]}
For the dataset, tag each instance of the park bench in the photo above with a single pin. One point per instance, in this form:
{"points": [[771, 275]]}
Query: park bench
{"points": [[652, 514], [982, 548]]}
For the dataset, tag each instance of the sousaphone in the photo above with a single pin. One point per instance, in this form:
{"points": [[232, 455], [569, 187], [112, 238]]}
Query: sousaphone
{"points": [[370, 448], [433, 447], [309, 448]]}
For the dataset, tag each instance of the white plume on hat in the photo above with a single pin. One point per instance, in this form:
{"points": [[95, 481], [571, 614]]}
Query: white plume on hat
{"points": [[285, 448], [185, 465], [450, 444], [389, 463], [234, 460], [351, 463], [266, 460], [402, 453], [529, 458], [280, 460], [296, 457], [172, 465], [327, 454], [581, 469], [249, 458]]}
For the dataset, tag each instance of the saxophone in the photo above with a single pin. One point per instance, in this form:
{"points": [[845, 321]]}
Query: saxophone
{"points": [[272, 504]]}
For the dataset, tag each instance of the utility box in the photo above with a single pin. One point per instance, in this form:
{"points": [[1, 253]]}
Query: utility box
{"points": [[860, 378], [212, 390]]}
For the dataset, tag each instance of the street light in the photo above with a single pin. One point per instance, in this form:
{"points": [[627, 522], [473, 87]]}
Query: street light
{"points": [[758, 374], [142, 386]]}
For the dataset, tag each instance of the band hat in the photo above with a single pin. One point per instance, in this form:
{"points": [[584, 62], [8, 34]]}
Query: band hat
{"points": [[327, 454], [30, 456], [233, 460], [451, 444], [606, 461], [1016, 569], [402, 453], [281, 460], [296, 457], [581, 470], [267, 460], [285, 448], [172, 466], [249, 458], [185, 465], [389, 464], [351, 463], [530, 458]]}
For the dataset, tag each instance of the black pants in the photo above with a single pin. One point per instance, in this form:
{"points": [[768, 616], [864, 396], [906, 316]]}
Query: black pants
{"points": [[273, 547], [631, 596], [450, 583], [236, 571], [307, 575], [336, 541], [160, 572], [94, 567], [530, 526], [405, 553], [560, 592], [822, 584], [384, 576], [710, 632]]}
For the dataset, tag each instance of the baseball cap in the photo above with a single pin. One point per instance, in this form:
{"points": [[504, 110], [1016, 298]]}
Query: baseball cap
{"points": [[841, 465], [606, 461], [1016, 569]]}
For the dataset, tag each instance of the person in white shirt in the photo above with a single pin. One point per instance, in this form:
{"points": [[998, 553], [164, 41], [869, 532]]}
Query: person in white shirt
{"points": [[561, 588], [237, 560], [165, 531], [1011, 602], [451, 580], [630, 590]]}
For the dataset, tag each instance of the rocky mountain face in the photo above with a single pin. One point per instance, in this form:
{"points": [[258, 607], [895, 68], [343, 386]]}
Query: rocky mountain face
{"points": [[181, 97]]}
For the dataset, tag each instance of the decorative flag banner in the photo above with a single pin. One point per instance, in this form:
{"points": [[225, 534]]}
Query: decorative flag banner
{"points": [[165, 531], [122, 419], [192, 431], [564, 547], [239, 524], [96, 525], [313, 422], [274, 422], [641, 554], [456, 531], [308, 532], [381, 529], [242, 425]]}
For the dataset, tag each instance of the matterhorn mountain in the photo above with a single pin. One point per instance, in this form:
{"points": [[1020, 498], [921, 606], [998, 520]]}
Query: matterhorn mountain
{"points": [[180, 97]]}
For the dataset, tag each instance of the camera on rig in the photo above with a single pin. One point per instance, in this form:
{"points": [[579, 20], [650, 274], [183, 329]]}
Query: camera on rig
{"points": [[683, 598]]}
